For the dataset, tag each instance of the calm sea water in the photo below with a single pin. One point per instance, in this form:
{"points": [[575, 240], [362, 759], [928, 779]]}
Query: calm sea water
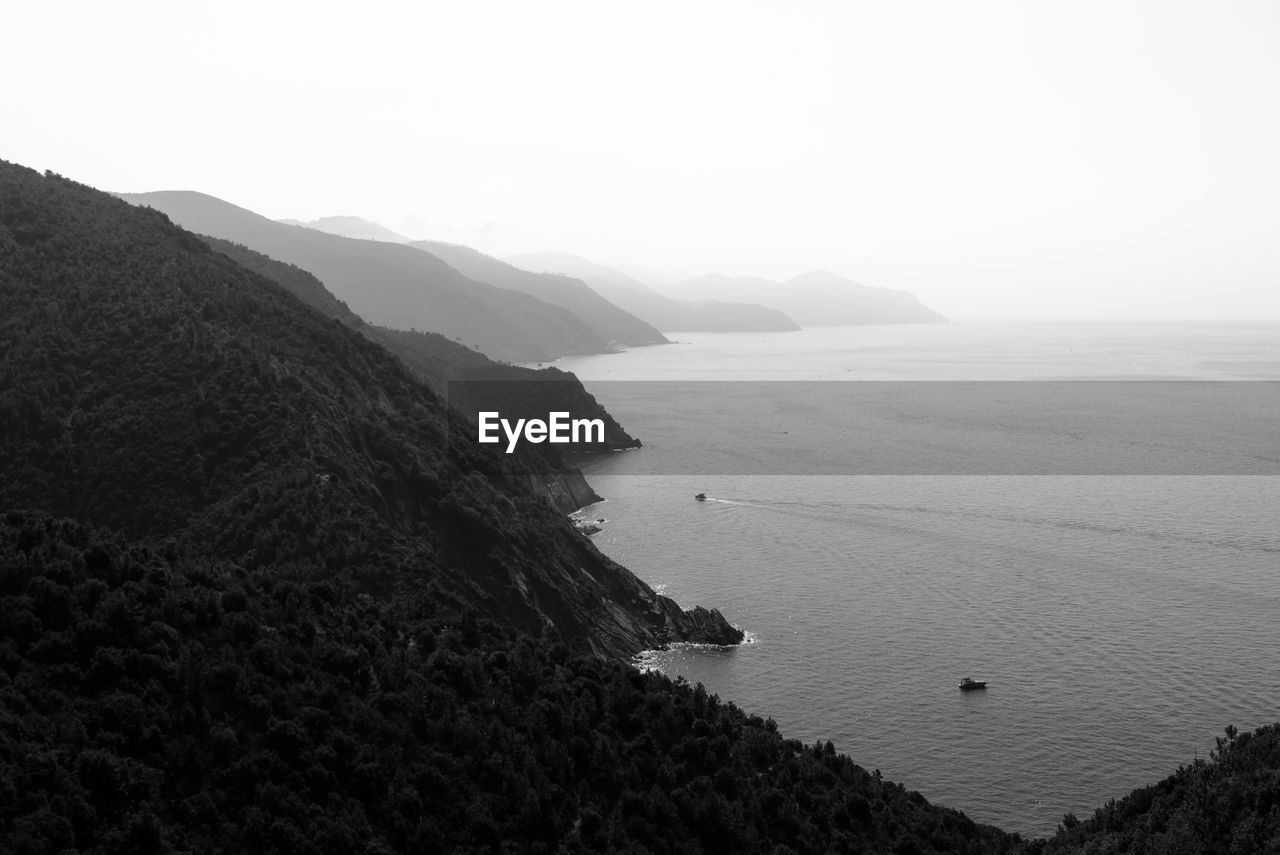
{"points": [[1123, 621]]}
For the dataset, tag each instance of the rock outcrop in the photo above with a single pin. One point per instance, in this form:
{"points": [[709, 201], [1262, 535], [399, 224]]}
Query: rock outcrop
{"points": [[702, 625]]}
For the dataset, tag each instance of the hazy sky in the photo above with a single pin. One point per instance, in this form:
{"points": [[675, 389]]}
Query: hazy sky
{"points": [[1020, 159]]}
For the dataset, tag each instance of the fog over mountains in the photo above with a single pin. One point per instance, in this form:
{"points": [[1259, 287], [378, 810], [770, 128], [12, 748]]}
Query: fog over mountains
{"points": [[396, 286], [818, 298], [618, 325], [658, 309], [352, 227], [714, 302]]}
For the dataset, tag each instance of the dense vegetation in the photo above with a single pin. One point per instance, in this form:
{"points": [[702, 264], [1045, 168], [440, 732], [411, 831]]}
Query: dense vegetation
{"points": [[153, 703]]}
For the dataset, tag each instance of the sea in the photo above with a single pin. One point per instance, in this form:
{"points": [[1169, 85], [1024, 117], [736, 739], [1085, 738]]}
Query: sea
{"points": [[1123, 614]]}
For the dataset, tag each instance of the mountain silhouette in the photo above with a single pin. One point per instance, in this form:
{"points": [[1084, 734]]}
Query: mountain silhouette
{"points": [[616, 325], [665, 313], [352, 227]]}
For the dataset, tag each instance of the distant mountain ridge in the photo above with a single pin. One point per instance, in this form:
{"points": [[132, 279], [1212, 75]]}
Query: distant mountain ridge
{"points": [[663, 312], [617, 325], [352, 227], [817, 298], [393, 285]]}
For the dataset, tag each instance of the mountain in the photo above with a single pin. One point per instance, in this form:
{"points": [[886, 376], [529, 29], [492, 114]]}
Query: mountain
{"points": [[393, 285], [663, 312], [352, 227], [617, 326], [818, 298], [152, 386]]}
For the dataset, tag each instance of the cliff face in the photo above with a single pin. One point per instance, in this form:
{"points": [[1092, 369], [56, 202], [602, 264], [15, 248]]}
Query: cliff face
{"points": [[568, 490], [154, 386]]}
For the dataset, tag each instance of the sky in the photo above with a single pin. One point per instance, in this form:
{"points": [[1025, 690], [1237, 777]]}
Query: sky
{"points": [[998, 159]]}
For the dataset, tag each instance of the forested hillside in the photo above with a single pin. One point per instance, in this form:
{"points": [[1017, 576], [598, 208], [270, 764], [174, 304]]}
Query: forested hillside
{"points": [[154, 386], [157, 704]]}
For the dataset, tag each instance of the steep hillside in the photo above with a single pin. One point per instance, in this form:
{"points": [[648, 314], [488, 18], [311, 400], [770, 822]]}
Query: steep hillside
{"points": [[393, 285], [663, 312], [617, 326], [470, 380], [818, 298], [152, 385]]}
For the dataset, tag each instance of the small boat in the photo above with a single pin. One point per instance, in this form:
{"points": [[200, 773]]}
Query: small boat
{"points": [[701, 497], [968, 684]]}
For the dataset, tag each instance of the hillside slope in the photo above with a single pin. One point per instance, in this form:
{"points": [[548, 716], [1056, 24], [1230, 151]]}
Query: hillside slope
{"points": [[151, 385], [393, 285], [157, 704]]}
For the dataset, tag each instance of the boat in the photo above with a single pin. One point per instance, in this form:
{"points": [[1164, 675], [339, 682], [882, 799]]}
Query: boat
{"points": [[701, 497], [968, 684]]}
